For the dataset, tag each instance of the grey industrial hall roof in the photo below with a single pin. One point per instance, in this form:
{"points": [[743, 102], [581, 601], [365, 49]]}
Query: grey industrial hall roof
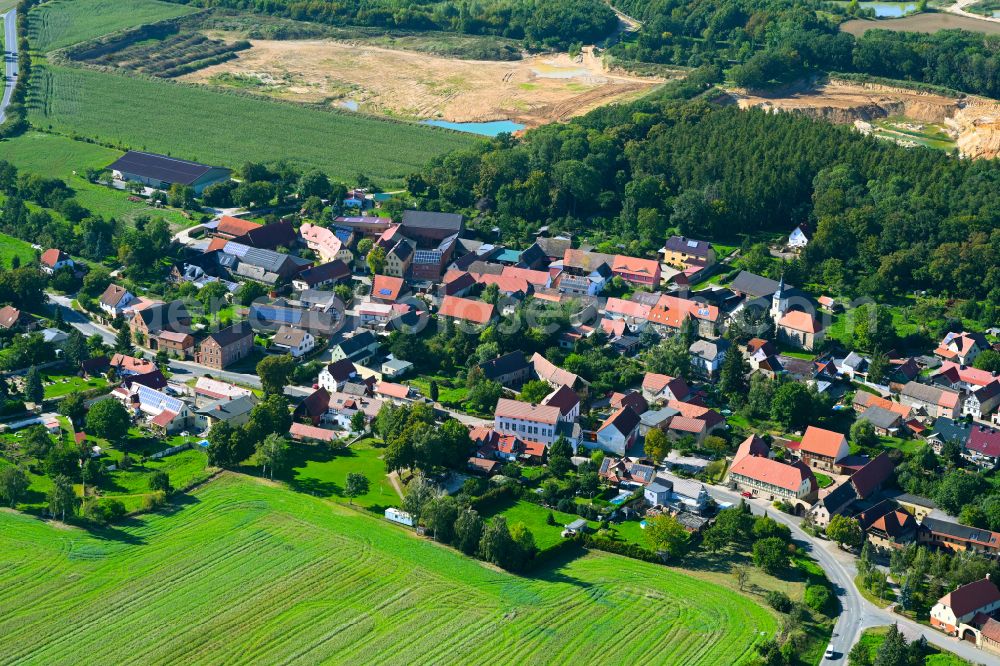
{"points": [[161, 167]]}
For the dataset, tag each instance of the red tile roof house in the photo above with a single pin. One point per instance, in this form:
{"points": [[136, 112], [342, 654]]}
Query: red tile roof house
{"points": [[961, 347], [233, 227], [618, 432], [54, 259], [774, 480], [661, 388], [300, 432], [386, 289], [466, 311], [961, 605], [645, 272], [11, 318], [823, 448], [534, 422], [983, 446]]}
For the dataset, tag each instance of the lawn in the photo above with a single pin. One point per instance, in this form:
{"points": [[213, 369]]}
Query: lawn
{"points": [[131, 486], [823, 480], [204, 125], [446, 394], [11, 247], [534, 518], [58, 386], [873, 638], [57, 156], [61, 23], [317, 470], [244, 571]]}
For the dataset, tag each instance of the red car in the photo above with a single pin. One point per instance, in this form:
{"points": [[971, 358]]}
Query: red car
{"points": [[747, 494]]}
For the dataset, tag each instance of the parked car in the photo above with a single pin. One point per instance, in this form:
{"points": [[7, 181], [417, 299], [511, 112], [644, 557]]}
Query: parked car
{"points": [[747, 494]]}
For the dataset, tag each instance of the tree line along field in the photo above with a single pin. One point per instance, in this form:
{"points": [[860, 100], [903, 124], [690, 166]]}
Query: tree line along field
{"points": [[61, 23], [244, 571], [217, 128]]}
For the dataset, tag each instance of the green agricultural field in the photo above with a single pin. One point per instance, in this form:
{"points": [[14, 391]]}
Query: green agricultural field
{"points": [[57, 156], [61, 23], [244, 571], [208, 126], [11, 247]]}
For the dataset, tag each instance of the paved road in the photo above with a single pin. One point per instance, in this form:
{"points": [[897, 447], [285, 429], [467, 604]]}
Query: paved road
{"points": [[857, 612], [88, 327], [10, 58]]}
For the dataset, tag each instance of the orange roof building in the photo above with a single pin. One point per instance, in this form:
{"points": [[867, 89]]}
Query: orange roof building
{"points": [[464, 309], [823, 448]]}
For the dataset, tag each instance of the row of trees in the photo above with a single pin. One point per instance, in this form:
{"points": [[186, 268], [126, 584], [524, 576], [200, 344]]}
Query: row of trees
{"points": [[550, 23], [511, 547]]}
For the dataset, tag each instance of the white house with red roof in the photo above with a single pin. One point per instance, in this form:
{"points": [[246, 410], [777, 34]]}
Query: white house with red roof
{"points": [[618, 432], [54, 259], [963, 604], [962, 348], [983, 446], [662, 388], [527, 421], [567, 401], [754, 472]]}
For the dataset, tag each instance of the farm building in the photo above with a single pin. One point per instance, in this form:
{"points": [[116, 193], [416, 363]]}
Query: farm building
{"points": [[161, 171]]}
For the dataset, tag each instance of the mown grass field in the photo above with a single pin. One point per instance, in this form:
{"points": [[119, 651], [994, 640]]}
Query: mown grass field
{"points": [[246, 572], [57, 156], [218, 128], [316, 470], [61, 23]]}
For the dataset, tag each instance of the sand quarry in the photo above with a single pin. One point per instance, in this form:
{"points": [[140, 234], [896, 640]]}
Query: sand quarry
{"points": [[973, 122], [532, 91]]}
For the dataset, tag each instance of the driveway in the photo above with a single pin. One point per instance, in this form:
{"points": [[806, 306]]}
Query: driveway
{"points": [[10, 59], [857, 613]]}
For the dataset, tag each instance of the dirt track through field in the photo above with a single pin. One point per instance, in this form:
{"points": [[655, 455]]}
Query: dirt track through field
{"points": [[409, 84]]}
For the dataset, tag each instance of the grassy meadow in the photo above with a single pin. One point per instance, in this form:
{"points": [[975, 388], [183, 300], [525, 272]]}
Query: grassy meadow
{"points": [[62, 23], [11, 247], [317, 470], [218, 128], [58, 156], [247, 572]]}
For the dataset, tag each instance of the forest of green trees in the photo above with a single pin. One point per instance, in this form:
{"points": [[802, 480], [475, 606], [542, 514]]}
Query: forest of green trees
{"points": [[777, 41], [889, 219], [548, 23]]}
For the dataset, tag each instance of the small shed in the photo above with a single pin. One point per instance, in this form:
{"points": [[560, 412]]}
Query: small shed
{"points": [[578, 526]]}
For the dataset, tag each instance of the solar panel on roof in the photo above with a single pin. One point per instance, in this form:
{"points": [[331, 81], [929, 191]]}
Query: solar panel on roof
{"points": [[692, 243], [154, 398], [384, 292]]}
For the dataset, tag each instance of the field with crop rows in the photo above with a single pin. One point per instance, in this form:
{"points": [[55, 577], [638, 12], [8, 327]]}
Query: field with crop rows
{"points": [[247, 572], [61, 23], [218, 128]]}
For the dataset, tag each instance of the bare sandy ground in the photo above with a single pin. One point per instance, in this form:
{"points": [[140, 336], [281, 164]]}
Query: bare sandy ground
{"points": [[400, 83], [974, 122]]}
